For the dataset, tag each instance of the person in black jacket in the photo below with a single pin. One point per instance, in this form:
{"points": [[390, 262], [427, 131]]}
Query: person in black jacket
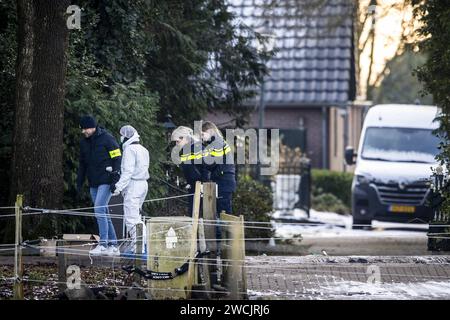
{"points": [[100, 159], [190, 150], [218, 160]]}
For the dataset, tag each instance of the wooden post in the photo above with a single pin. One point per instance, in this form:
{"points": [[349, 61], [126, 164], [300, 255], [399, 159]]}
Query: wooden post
{"points": [[193, 249], [18, 267], [235, 257], [235, 275], [242, 257], [226, 257], [138, 253], [209, 214], [203, 262], [62, 265], [224, 245]]}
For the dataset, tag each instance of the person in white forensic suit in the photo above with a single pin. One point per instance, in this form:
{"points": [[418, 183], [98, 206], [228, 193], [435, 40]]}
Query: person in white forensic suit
{"points": [[133, 181]]}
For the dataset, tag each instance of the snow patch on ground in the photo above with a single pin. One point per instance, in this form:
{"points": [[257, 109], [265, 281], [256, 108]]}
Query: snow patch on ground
{"points": [[268, 293], [344, 289], [358, 259], [330, 224], [394, 291]]}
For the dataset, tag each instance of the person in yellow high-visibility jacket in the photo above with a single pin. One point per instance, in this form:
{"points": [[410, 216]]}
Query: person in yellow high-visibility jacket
{"points": [[191, 151]]}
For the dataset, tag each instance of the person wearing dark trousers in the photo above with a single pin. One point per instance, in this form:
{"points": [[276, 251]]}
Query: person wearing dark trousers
{"points": [[218, 160], [190, 149], [100, 157]]}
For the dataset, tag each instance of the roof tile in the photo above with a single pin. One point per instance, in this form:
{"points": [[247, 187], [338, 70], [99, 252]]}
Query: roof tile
{"points": [[314, 44]]}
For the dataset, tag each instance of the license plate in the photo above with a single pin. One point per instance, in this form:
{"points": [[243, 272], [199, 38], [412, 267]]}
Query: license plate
{"points": [[402, 209]]}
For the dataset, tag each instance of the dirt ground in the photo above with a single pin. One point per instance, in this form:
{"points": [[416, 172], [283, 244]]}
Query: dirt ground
{"points": [[41, 280]]}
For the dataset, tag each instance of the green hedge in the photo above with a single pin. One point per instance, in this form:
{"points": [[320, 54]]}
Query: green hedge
{"points": [[336, 183], [329, 202], [254, 201]]}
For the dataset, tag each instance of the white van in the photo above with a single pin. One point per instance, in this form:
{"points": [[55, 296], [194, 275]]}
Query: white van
{"points": [[396, 152]]}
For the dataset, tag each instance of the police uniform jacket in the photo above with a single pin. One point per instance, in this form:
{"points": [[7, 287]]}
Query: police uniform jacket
{"points": [[218, 160], [96, 154], [191, 164]]}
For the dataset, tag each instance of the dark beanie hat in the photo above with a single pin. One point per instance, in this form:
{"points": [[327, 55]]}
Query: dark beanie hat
{"points": [[87, 122]]}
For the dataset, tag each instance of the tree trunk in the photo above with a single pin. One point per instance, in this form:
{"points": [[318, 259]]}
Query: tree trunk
{"points": [[369, 86], [37, 164]]}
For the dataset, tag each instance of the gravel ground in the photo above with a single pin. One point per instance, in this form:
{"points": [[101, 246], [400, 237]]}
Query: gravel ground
{"points": [[41, 280]]}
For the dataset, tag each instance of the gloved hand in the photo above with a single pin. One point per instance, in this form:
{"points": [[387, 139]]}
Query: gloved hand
{"points": [[114, 190], [114, 176]]}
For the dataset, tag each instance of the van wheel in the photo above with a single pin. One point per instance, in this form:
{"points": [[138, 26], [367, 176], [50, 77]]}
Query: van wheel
{"points": [[359, 224]]}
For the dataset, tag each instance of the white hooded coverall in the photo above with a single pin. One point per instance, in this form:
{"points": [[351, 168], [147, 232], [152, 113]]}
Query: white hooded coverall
{"points": [[133, 181]]}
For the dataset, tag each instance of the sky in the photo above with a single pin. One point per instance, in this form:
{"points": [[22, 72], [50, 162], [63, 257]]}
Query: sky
{"points": [[388, 32]]}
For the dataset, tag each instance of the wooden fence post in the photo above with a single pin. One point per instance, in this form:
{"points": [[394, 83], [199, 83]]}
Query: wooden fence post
{"points": [[234, 251], [62, 265], [138, 253], [193, 249], [18, 266], [206, 283], [210, 216], [235, 257], [242, 257]]}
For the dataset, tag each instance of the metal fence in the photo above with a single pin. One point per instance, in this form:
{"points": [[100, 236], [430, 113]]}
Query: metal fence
{"points": [[291, 186], [438, 232]]}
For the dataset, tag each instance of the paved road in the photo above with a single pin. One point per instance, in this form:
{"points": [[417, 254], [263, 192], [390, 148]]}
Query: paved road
{"points": [[312, 277]]}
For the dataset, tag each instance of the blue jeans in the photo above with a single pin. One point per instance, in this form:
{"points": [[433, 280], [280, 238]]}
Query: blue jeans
{"points": [[100, 197]]}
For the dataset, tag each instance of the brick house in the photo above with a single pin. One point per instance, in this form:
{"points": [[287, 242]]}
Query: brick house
{"points": [[310, 92]]}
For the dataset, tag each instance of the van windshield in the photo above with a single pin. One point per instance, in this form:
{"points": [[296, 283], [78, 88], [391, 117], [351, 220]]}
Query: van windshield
{"points": [[400, 144]]}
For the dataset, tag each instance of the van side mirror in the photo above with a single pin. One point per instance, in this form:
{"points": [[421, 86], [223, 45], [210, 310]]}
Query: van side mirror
{"points": [[350, 156]]}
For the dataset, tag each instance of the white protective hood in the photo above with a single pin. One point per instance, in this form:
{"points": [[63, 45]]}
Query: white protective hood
{"points": [[134, 138]]}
